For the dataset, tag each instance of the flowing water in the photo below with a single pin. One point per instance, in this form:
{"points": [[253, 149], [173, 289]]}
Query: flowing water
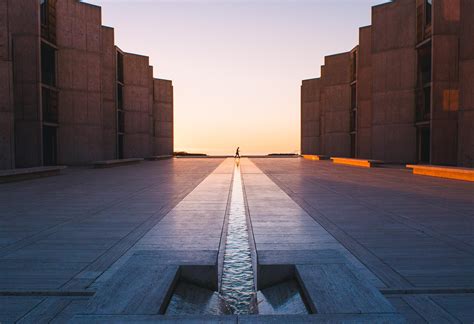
{"points": [[238, 287], [237, 290]]}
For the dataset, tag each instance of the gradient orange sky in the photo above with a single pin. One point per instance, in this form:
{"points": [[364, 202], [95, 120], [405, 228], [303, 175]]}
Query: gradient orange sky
{"points": [[236, 66]]}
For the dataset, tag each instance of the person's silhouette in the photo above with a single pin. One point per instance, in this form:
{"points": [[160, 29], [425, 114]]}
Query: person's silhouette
{"points": [[237, 153]]}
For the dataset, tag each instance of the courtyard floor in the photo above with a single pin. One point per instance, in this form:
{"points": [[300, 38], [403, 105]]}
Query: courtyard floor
{"points": [[72, 246]]}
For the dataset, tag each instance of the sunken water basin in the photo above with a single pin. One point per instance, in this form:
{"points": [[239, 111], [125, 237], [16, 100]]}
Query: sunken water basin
{"points": [[237, 293]]}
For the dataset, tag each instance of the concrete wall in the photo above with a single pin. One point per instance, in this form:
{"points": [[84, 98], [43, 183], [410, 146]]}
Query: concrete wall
{"points": [[137, 140], [466, 108], [86, 85], [163, 117], [336, 105], [445, 84], [310, 116], [7, 153], [364, 94], [151, 121], [394, 71], [79, 81], [109, 96], [24, 28]]}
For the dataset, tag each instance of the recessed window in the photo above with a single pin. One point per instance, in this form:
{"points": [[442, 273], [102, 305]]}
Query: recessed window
{"points": [[353, 96], [48, 65], [354, 66], [428, 7], [120, 67], [44, 11]]}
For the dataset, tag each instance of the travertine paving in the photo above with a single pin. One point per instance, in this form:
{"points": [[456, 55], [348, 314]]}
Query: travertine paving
{"points": [[415, 233], [61, 233], [365, 244]]}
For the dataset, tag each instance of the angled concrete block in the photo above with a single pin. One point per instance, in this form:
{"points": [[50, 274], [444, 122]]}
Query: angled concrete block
{"points": [[334, 289]]}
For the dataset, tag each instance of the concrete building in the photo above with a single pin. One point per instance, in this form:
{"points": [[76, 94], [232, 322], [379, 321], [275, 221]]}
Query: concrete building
{"points": [[163, 130], [7, 153], [362, 75], [336, 105], [466, 86], [311, 116], [68, 94], [394, 81], [136, 105], [411, 87]]}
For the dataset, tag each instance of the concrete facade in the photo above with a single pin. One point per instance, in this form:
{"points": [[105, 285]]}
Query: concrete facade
{"points": [[466, 108], [163, 129], [394, 81], [311, 116], [7, 155], [136, 98], [336, 105], [24, 34], [109, 94], [62, 105], [445, 81], [364, 93], [411, 84], [79, 58]]}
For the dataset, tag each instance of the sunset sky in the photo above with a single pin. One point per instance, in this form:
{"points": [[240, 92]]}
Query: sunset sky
{"points": [[236, 65]]}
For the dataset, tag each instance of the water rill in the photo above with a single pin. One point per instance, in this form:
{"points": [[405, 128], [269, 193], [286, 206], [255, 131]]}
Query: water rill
{"points": [[237, 293], [237, 286]]}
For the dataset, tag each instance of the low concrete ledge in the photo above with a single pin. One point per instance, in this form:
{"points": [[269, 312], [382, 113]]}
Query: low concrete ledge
{"points": [[145, 283], [244, 319], [315, 157], [357, 162], [29, 173], [159, 157], [115, 163], [170, 319], [465, 174]]}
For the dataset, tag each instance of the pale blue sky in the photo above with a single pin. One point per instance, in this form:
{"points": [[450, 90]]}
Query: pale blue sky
{"points": [[236, 66]]}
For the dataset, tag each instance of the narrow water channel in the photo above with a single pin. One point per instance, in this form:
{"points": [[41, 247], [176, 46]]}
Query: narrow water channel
{"points": [[237, 293], [237, 286]]}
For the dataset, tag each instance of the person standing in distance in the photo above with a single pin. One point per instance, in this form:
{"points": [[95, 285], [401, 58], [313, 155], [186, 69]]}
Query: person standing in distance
{"points": [[237, 153]]}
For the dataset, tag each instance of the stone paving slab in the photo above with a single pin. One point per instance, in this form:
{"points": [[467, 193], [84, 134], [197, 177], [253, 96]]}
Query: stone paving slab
{"points": [[386, 234], [262, 193], [141, 282], [153, 319], [412, 232], [137, 288], [250, 319], [333, 289], [61, 233], [333, 281], [182, 228], [322, 318]]}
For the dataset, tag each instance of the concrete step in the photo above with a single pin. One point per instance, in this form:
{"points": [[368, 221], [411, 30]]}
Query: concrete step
{"points": [[139, 287], [315, 157], [465, 174], [29, 173], [356, 162], [115, 163], [334, 289], [159, 157], [244, 319]]}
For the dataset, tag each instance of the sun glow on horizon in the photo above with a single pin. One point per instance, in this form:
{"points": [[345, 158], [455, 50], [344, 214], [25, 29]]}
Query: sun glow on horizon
{"points": [[236, 66]]}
